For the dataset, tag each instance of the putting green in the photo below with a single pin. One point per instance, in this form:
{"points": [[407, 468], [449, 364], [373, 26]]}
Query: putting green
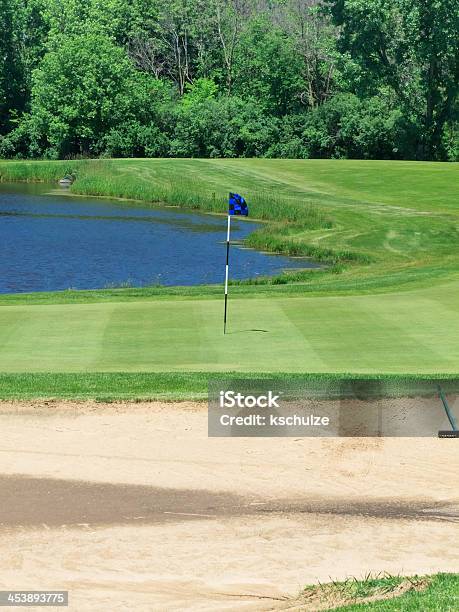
{"points": [[415, 331]]}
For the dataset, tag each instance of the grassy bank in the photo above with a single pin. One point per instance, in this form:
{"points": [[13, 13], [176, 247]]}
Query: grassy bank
{"points": [[377, 224], [439, 593]]}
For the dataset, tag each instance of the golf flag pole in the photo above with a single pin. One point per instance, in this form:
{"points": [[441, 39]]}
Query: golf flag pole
{"points": [[237, 206], [228, 238]]}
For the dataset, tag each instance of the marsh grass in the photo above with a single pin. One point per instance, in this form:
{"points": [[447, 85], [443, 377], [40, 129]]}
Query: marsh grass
{"points": [[190, 193], [40, 171], [412, 594]]}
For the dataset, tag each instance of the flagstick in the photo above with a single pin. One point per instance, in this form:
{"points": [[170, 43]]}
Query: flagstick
{"points": [[227, 271]]}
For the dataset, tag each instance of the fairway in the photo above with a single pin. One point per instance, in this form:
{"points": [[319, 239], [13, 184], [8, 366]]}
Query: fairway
{"points": [[413, 332]]}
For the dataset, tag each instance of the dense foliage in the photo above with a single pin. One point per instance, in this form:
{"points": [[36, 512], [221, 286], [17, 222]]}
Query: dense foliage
{"points": [[229, 78]]}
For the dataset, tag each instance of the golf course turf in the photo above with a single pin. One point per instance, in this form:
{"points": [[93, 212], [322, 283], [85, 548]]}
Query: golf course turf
{"points": [[387, 301], [413, 332]]}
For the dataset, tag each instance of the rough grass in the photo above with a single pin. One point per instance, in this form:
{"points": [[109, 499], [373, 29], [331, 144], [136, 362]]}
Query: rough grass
{"points": [[438, 593], [174, 386], [384, 593]]}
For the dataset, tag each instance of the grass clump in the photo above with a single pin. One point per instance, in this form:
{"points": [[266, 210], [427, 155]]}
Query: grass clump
{"points": [[335, 593], [274, 240], [384, 593]]}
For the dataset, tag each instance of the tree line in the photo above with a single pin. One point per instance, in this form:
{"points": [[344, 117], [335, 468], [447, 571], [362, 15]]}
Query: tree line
{"points": [[375, 79]]}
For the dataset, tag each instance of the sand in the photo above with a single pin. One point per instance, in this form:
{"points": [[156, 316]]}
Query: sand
{"points": [[133, 507]]}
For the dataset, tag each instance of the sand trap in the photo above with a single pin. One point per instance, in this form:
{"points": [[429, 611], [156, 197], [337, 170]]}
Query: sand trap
{"points": [[131, 506]]}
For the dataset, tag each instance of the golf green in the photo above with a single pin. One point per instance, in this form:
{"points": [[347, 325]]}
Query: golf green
{"points": [[412, 331]]}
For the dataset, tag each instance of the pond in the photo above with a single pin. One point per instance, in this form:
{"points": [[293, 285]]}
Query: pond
{"points": [[51, 241]]}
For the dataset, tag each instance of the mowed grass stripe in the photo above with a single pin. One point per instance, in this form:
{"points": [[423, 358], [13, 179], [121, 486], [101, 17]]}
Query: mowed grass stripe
{"points": [[404, 183], [10, 326], [147, 336], [392, 333], [358, 336], [52, 338], [261, 337], [159, 336], [431, 335], [407, 332]]}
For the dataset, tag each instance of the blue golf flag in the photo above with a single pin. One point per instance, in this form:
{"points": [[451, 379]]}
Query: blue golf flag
{"points": [[237, 205]]}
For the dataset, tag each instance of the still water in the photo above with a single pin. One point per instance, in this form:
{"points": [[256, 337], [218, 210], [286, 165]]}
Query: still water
{"points": [[51, 242]]}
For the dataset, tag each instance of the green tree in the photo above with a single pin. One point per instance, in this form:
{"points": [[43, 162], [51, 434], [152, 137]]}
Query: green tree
{"points": [[347, 127], [410, 46], [11, 74], [268, 68], [226, 126], [288, 78], [83, 89], [314, 39], [112, 18], [32, 34], [173, 38]]}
